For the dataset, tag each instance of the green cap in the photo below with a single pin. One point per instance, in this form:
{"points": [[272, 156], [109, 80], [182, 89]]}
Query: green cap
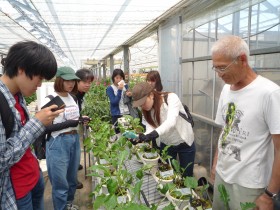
{"points": [[66, 73]]}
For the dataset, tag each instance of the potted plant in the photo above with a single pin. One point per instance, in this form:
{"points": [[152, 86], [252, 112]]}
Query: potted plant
{"points": [[165, 172], [150, 156]]}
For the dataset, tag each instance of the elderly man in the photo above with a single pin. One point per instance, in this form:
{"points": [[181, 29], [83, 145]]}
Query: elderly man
{"points": [[247, 160]]}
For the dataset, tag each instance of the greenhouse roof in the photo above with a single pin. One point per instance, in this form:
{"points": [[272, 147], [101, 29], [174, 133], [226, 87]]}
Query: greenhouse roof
{"points": [[77, 30]]}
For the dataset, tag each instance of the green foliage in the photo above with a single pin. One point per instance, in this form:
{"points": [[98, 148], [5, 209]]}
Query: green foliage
{"points": [[97, 104], [224, 196], [191, 182], [246, 206], [30, 99], [134, 80], [133, 125], [164, 153]]}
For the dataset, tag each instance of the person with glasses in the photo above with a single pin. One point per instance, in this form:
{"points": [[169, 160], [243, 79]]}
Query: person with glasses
{"points": [[247, 160]]}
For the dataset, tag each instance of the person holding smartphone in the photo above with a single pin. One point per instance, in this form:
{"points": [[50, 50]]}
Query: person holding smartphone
{"points": [[63, 147], [24, 68]]}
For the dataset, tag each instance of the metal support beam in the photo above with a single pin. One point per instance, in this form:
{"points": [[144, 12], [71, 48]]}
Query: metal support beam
{"points": [[126, 62], [104, 70], [111, 64]]}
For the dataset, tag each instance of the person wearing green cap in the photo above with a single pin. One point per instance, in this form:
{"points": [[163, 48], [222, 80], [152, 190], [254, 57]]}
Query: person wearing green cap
{"points": [[63, 147]]}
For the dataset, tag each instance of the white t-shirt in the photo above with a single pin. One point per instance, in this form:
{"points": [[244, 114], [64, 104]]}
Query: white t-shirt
{"points": [[252, 115], [71, 112]]}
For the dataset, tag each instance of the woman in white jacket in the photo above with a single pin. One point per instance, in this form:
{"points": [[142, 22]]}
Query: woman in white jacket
{"points": [[164, 121]]}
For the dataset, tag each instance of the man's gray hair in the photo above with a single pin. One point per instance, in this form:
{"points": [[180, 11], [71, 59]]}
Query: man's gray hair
{"points": [[230, 46]]}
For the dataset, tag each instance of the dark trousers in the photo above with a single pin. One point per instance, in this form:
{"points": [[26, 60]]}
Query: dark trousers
{"points": [[115, 123], [186, 156]]}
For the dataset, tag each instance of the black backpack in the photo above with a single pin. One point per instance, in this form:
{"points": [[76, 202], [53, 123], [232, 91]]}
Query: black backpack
{"points": [[187, 118], [7, 116]]}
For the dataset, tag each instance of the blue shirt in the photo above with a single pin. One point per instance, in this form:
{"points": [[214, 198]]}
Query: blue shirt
{"points": [[13, 148], [115, 100]]}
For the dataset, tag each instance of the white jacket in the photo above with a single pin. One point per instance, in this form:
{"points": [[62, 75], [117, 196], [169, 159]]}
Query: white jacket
{"points": [[170, 119]]}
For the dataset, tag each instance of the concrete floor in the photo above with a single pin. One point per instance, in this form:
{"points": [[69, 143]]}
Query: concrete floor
{"points": [[82, 198]]}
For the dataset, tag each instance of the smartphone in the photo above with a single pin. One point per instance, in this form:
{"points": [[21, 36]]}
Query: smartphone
{"points": [[56, 100]]}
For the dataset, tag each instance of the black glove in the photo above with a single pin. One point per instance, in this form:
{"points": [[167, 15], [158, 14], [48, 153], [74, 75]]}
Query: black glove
{"points": [[134, 141], [149, 137], [84, 119]]}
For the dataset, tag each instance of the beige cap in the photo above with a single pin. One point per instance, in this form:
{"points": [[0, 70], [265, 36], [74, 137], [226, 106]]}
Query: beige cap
{"points": [[140, 93]]}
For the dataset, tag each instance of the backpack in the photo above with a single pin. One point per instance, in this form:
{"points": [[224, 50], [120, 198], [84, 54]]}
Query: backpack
{"points": [[8, 122], [187, 118], [6, 115]]}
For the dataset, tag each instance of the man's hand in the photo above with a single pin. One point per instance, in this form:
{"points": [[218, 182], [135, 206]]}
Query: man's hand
{"points": [[46, 115], [264, 202]]}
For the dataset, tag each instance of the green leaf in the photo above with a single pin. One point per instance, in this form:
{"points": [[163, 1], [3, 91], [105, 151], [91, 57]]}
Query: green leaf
{"points": [[99, 201], [169, 207], [247, 205], [133, 206], [191, 182], [224, 196], [112, 185], [111, 201]]}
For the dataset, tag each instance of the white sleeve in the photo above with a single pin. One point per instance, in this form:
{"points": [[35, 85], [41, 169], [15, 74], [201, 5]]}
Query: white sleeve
{"points": [[272, 112], [174, 105]]}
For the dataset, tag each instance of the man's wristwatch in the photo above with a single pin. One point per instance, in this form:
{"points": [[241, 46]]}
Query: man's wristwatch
{"points": [[270, 194]]}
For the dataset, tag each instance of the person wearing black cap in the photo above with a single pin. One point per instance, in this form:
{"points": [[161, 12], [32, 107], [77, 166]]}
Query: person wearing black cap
{"points": [[63, 147], [164, 121]]}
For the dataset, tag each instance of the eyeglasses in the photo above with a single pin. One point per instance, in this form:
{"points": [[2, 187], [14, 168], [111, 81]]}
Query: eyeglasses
{"points": [[222, 70]]}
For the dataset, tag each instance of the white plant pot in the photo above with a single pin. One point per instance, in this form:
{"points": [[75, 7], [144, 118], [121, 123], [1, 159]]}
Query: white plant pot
{"points": [[180, 203], [161, 181], [152, 162], [124, 198]]}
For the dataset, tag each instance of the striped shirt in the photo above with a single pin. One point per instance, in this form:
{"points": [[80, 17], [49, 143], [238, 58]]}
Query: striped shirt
{"points": [[12, 149]]}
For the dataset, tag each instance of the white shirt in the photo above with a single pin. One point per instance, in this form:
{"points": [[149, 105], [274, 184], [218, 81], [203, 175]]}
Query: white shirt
{"points": [[71, 112], [247, 155], [174, 129]]}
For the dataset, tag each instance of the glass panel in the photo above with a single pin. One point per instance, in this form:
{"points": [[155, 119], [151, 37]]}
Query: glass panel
{"points": [[201, 44], [268, 66], [265, 25], [203, 88], [203, 141], [225, 26], [187, 45], [241, 26], [187, 76]]}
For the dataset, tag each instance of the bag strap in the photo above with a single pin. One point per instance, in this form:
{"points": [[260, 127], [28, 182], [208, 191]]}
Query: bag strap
{"points": [[6, 115], [185, 117]]}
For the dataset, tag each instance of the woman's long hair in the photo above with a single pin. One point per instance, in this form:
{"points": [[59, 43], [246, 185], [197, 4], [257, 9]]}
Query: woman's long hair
{"points": [[155, 77], [158, 100]]}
